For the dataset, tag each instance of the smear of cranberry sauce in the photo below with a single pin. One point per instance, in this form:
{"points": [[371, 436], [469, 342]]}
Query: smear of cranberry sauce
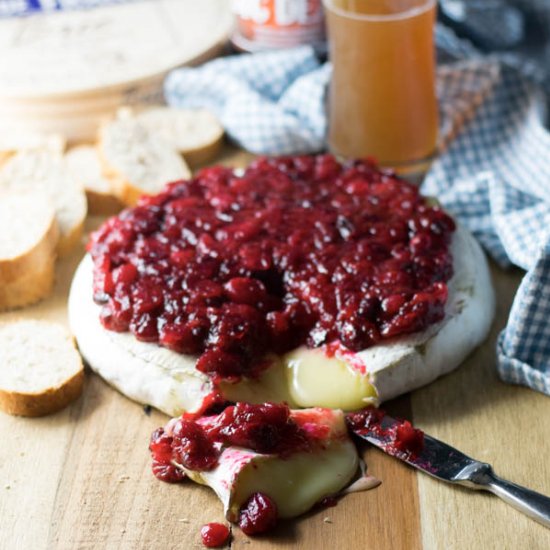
{"points": [[197, 442], [297, 250], [402, 438]]}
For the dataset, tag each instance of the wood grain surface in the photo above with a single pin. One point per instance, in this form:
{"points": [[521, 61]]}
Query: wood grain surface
{"points": [[81, 479]]}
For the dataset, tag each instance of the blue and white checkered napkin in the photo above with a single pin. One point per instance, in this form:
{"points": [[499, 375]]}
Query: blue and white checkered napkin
{"points": [[493, 174], [495, 177], [271, 103]]}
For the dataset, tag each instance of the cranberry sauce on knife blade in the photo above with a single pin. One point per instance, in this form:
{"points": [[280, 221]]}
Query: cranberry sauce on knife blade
{"points": [[297, 250]]}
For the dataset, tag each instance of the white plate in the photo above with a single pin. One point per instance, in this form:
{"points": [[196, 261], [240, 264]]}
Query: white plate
{"points": [[75, 52], [65, 72]]}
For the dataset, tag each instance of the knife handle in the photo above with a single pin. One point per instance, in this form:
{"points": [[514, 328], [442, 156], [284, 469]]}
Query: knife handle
{"points": [[480, 475], [529, 502]]}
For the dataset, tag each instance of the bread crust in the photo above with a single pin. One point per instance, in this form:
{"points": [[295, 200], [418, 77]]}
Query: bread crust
{"points": [[123, 189], [201, 155], [69, 241], [102, 204], [84, 163], [31, 288], [30, 277], [175, 122], [42, 403], [31, 260]]}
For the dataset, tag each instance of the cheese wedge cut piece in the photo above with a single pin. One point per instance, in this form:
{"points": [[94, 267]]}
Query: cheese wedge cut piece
{"points": [[296, 482], [303, 378]]}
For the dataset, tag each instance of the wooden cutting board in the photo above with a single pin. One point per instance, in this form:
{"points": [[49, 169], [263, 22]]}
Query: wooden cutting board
{"points": [[81, 479]]}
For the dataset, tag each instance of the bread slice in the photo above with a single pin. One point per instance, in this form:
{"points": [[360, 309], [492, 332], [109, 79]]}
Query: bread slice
{"points": [[45, 171], [10, 144], [137, 160], [30, 288], [85, 167], [40, 369], [28, 240], [195, 133]]}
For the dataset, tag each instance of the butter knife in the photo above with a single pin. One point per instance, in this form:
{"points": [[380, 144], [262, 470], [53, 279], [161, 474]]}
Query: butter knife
{"points": [[446, 463]]}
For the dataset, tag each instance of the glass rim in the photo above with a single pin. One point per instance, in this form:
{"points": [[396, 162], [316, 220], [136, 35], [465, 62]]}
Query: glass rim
{"points": [[405, 14]]}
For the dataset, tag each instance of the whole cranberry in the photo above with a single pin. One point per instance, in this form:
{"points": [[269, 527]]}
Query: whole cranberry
{"points": [[245, 290], [215, 535], [258, 515], [192, 448]]}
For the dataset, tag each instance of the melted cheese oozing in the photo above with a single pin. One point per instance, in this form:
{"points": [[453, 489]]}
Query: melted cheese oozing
{"points": [[306, 378], [314, 378]]}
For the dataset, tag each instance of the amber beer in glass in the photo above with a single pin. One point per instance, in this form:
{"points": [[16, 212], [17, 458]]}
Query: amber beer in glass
{"points": [[382, 100]]}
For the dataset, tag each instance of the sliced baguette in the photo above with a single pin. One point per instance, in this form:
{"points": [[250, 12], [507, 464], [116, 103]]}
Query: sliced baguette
{"points": [[10, 144], [84, 165], [45, 171], [196, 134], [136, 160], [41, 371], [30, 288], [28, 240]]}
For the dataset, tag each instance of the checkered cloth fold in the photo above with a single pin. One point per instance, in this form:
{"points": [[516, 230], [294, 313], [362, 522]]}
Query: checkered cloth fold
{"points": [[271, 103], [495, 178], [493, 173]]}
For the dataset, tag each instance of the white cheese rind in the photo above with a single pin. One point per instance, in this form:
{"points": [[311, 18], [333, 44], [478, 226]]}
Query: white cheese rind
{"points": [[168, 381]]}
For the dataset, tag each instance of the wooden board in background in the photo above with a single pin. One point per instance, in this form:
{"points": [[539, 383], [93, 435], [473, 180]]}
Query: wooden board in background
{"points": [[81, 479]]}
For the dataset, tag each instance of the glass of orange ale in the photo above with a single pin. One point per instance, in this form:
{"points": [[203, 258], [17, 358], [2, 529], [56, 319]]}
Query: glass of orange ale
{"points": [[382, 100]]}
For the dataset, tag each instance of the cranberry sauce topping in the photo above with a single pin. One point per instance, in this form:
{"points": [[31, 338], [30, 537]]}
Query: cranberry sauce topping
{"points": [[298, 250], [214, 535], [161, 450], [400, 439], [258, 515], [197, 444]]}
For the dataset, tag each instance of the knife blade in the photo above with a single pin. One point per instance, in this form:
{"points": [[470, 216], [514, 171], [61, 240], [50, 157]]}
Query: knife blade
{"points": [[437, 459]]}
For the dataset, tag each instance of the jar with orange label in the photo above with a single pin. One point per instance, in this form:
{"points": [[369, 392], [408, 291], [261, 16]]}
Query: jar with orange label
{"points": [[270, 24]]}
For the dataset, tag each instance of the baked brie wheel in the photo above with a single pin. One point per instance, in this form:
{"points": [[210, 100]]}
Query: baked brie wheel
{"points": [[169, 381], [328, 224]]}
